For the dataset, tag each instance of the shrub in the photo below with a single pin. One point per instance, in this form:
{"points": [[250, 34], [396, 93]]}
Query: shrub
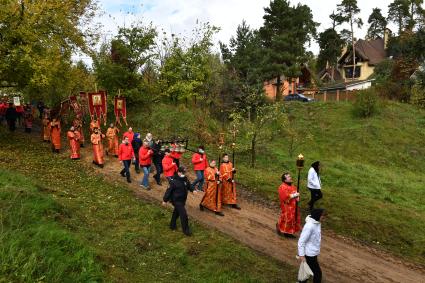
{"points": [[366, 104], [418, 96]]}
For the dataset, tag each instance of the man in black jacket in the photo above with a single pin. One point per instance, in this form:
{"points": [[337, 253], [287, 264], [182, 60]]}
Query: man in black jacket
{"points": [[11, 116], [136, 144], [158, 155], [177, 195]]}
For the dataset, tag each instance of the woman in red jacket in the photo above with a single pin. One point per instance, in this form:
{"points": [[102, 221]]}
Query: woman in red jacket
{"points": [[125, 154], [199, 161], [168, 164], [145, 161]]}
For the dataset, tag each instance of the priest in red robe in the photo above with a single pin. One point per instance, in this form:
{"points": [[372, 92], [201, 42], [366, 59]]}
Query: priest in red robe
{"points": [[212, 196], [287, 225], [55, 134], [74, 143], [228, 186], [97, 139]]}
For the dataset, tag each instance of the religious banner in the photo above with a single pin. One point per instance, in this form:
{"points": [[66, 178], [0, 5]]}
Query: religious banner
{"points": [[75, 105], [120, 108], [97, 105], [65, 105]]}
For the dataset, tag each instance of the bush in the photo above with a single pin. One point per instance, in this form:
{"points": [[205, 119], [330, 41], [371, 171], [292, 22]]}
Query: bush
{"points": [[366, 104], [418, 96]]}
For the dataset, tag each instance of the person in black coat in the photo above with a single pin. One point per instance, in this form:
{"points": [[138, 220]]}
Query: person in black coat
{"points": [[136, 144], [158, 155], [177, 195], [11, 116]]}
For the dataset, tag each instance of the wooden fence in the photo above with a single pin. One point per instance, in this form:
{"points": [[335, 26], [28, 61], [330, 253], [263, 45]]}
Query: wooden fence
{"points": [[344, 95]]}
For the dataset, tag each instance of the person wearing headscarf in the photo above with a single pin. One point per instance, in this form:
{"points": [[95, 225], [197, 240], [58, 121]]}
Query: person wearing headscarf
{"points": [[129, 134], [145, 159], [310, 241], [97, 141], [136, 143], [74, 143], [149, 138], [212, 196], [287, 225], [314, 184]]}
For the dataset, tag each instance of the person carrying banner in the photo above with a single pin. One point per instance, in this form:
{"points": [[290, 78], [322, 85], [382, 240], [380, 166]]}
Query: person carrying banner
{"points": [[94, 124]]}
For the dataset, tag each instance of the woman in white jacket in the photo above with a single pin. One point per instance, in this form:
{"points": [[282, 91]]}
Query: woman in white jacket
{"points": [[309, 242], [314, 184]]}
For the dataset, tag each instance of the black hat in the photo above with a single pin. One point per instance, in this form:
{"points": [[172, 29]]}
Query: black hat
{"points": [[317, 213]]}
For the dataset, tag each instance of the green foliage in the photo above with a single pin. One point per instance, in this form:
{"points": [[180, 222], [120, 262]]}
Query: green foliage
{"points": [[34, 248], [330, 43], [37, 39], [125, 64], [366, 104], [418, 95], [377, 24], [398, 13]]}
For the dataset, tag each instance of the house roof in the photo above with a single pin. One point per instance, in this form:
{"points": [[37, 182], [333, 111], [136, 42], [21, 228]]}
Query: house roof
{"points": [[344, 85], [328, 73], [369, 50]]}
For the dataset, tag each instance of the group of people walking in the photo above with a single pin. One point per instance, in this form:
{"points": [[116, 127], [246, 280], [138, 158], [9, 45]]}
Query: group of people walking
{"points": [[215, 181]]}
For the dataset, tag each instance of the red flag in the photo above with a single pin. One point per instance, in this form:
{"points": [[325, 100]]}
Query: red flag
{"points": [[120, 107], [98, 105]]}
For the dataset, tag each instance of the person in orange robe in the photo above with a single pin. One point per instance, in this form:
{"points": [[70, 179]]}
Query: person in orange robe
{"points": [[228, 188], [46, 128], [289, 197], [78, 125], [74, 143], [96, 139], [93, 125], [212, 196], [28, 117], [55, 134], [112, 137]]}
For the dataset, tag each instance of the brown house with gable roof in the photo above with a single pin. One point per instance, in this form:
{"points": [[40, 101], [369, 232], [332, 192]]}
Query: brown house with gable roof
{"points": [[368, 54]]}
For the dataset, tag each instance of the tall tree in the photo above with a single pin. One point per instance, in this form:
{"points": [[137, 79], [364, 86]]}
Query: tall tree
{"points": [[415, 14], [285, 32], [398, 12], [347, 12], [330, 43], [377, 24]]}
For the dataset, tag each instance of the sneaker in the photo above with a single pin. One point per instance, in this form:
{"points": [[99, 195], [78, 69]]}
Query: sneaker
{"points": [[143, 187], [219, 213], [122, 174]]}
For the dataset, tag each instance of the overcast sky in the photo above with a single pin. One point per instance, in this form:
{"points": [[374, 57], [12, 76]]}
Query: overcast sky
{"points": [[179, 16]]}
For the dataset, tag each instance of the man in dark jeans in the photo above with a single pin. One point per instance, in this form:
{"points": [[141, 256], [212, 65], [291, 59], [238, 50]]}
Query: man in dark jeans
{"points": [[137, 144], [125, 154], [158, 154], [177, 195], [11, 116]]}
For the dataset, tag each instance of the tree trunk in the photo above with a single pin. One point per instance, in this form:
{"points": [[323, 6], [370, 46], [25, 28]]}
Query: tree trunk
{"points": [[354, 49], [253, 153], [278, 89]]}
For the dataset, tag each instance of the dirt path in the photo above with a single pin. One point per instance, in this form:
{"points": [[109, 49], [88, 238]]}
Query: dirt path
{"points": [[341, 260]]}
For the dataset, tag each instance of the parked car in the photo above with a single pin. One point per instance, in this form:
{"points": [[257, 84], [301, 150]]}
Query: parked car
{"points": [[298, 97]]}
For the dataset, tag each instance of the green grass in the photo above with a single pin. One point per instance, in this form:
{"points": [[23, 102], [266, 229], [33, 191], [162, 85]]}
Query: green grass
{"points": [[372, 176], [65, 224]]}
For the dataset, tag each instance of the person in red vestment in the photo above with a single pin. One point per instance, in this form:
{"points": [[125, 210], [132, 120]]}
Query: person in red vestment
{"points": [[228, 186], [94, 124], [55, 134], [28, 118], [112, 137], [168, 165], [97, 139], [129, 134], [74, 143], [212, 196], [288, 196]]}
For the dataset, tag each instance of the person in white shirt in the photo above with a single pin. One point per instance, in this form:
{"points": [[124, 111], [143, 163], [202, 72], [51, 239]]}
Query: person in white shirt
{"points": [[309, 242], [314, 184]]}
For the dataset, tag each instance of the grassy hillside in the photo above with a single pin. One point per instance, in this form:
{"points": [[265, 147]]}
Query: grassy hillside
{"points": [[61, 223], [372, 178]]}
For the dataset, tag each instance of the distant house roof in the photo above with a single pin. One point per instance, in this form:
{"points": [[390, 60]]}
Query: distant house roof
{"points": [[369, 50], [327, 74], [343, 86]]}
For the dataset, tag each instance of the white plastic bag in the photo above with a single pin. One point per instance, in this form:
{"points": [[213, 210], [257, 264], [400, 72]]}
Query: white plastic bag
{"points": [[304, 272]]}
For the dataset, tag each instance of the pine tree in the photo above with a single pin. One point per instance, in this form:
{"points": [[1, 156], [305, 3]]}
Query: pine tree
{"points": [[377, 24], [347, 12], [330, 43], [285, 32], [398, 12]]}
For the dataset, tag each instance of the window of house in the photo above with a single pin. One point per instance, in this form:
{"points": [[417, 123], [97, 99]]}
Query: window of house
{"points": [[349, 72]]}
